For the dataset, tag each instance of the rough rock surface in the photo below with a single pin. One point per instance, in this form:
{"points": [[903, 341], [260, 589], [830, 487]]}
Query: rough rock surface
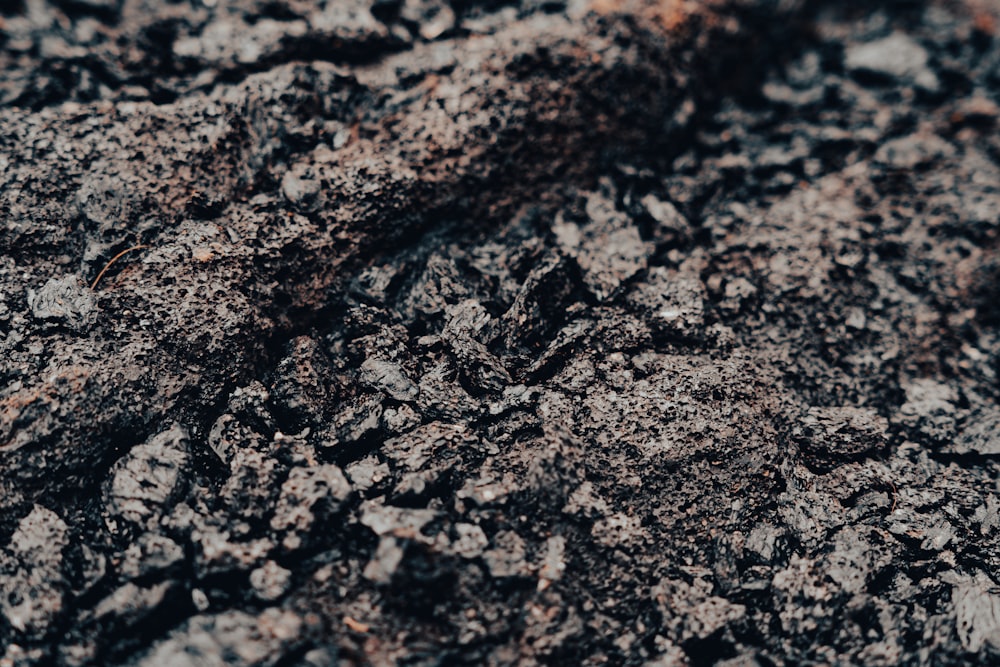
{"points": [[410, 331]]}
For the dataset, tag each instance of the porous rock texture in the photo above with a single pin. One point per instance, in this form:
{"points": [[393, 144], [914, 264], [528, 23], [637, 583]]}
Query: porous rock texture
{"points": [[478, 332]]}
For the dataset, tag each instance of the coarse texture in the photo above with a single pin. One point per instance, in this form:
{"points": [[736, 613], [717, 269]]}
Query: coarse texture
{"points": [[407, 331]]}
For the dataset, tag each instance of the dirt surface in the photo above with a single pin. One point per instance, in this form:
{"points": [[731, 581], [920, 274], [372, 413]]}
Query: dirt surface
{"points": [[553, 332]]}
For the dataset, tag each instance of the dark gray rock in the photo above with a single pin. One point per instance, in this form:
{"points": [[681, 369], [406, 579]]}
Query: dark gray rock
{"points": [[250, 491], [270, 581], [980, 435], [217, 552], [390, 378], [33, 587], [671, 225], [608, 248], [977, 613], [308, 495], [930, 412], [836, 435], [914, 151], [131, 604], [384, 562], [147, 479], [64, 300], [301, 385], [672, 302], [149, 554], [897, 58], [230, 638]]}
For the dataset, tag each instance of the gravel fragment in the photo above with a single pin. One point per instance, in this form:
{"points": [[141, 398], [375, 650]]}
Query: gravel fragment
{"points": [[270, 581], [977, 612], [843, 433], [608, 248], [897, 58], [63, 300], [149, 554], [981, 434], [389, 378], [145, 480], [229, 638], [308, 495], [33, 587]]}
